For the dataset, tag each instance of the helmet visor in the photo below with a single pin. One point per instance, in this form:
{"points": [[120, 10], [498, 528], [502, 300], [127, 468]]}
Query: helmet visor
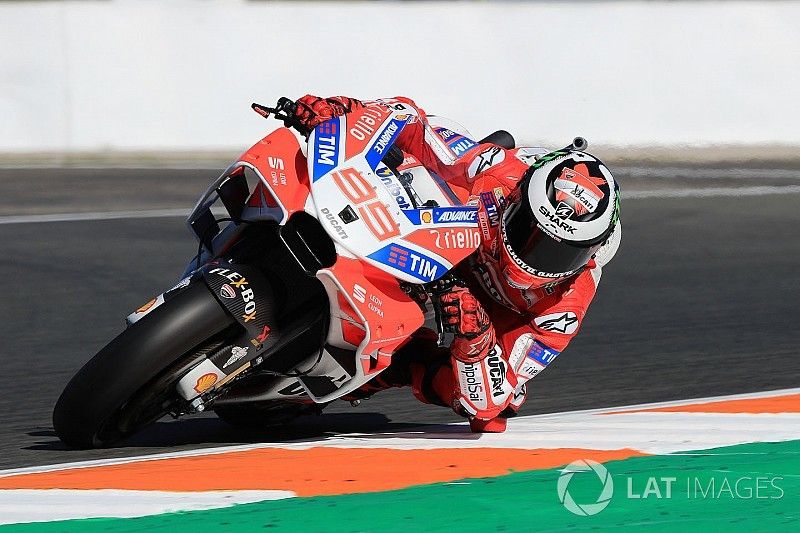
{"points": [[543, 254]]}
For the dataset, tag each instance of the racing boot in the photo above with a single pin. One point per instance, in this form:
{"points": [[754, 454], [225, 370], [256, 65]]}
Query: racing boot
{"points": [[495, 425]]}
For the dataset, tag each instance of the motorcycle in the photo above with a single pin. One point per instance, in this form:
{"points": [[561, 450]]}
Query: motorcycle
{"points": [[325, 263]]}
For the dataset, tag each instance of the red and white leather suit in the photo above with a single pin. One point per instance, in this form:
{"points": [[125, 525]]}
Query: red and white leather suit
{"points": [[533, 320]]}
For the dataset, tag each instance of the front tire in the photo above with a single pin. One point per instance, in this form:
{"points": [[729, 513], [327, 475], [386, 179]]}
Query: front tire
{"points": [[91, 411]]}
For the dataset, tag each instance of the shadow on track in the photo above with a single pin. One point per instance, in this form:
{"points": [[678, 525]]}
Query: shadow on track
{"points": [[209, 431]]}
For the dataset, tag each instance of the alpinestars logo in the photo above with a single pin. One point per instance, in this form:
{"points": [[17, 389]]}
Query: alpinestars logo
{"points": [[486, 159], [566, 323]]}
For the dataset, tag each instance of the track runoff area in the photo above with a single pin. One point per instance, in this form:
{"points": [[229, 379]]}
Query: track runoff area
{"points": [[726, 463], [729, 462]]}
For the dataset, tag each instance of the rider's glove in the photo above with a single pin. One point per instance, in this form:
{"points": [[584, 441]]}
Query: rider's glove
{"points": [[313, 110], [464, 316]]}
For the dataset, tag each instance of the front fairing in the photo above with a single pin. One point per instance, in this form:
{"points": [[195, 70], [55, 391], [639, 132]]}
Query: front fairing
{"points": [[370, 213]]}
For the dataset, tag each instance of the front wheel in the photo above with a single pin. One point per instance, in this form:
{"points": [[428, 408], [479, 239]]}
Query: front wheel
{"points": [[131, 382]]}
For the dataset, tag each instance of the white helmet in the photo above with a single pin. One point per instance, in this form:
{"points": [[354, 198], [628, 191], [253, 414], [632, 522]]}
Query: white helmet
{"points": [[564, 208]]}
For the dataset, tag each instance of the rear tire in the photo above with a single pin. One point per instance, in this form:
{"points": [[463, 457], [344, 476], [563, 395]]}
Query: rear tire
{"points": [[91, 411]]}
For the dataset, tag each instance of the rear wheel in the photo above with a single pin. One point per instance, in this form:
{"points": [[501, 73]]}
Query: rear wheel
{"points": [[131, 382]]}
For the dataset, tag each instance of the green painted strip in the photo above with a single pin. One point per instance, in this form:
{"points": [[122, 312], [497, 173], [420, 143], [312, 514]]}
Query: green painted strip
{"points": [[767, 499]]}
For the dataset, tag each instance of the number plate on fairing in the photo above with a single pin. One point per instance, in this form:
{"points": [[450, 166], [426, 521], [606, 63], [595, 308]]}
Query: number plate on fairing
{"points": [[366, 209]]}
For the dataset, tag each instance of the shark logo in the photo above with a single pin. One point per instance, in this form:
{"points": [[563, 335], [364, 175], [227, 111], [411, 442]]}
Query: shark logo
{"points": [[564, 210], [566, 323]]}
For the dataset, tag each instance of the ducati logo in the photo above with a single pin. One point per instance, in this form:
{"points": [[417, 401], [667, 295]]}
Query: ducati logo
{"points": [[497, 373], [227, 292]]}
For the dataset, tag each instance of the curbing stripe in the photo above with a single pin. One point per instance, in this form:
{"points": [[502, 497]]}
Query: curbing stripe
{"points": [[525, 420]]}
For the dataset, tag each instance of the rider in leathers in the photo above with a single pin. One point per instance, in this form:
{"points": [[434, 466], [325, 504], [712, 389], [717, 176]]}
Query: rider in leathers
{"points": [[526, 290]]}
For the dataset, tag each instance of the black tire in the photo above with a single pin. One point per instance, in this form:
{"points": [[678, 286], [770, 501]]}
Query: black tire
{"points": [[89, 411]]}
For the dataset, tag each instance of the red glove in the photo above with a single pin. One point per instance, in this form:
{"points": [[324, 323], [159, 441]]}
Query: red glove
{"points": [[313, 110], [464, 315]]}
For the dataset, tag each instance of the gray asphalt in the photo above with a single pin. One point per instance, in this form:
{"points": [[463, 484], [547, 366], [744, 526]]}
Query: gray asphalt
{"points": [[701, 300]]}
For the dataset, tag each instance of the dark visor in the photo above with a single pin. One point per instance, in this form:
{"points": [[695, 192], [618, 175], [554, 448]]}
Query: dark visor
{"points": [[538, 250]]}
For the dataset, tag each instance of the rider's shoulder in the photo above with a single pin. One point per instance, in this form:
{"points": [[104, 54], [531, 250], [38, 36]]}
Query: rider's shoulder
{"points": [[529, 154], [506, 164]]}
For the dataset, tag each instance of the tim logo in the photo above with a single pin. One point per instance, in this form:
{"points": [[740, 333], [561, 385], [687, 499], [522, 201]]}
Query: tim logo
{"points": [[326, 147], [542, 354], [329, 128], [491, 208], [462, 146], [398, 257], [414, 264]]}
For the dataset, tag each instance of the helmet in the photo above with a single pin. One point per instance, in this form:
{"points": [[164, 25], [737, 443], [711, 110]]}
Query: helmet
{"points": [[562, 211]]}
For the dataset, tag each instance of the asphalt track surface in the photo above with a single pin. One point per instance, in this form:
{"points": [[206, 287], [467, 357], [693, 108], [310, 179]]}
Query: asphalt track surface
{"points": [[701, 300]]}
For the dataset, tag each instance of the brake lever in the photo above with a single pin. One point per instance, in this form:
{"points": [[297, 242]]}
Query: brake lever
{"points": [[284, 111], [263, 110]]}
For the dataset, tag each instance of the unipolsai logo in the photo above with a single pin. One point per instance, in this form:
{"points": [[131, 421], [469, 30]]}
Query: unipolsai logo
{"points": [[585, 467]]}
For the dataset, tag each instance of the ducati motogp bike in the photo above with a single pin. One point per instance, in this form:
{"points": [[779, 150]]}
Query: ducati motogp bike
{"points": [[320, 256]]}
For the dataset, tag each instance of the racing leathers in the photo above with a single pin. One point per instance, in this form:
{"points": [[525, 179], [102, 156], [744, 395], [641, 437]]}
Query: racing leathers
{"points": [[530, 322]]}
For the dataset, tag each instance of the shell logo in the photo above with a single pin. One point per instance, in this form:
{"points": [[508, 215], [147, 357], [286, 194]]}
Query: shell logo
{"points": [[205, 382], [146, 307], [427, 217]]}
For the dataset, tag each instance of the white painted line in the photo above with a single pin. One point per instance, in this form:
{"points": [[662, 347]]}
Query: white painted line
{"points": [[531, 430], [20, 506], [704, 173], [679, 403], [711, 192], [103, 215]]}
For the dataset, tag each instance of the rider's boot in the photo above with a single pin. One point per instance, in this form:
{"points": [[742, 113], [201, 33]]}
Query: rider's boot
{"points": [[495, 425]]}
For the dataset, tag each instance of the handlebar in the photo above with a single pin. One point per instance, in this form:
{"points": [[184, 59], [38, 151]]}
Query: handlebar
{"points": [[284, 110]]}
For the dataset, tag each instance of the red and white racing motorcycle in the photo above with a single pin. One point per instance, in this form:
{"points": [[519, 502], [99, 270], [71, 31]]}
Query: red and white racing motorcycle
{"points": [[322, 267]]}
